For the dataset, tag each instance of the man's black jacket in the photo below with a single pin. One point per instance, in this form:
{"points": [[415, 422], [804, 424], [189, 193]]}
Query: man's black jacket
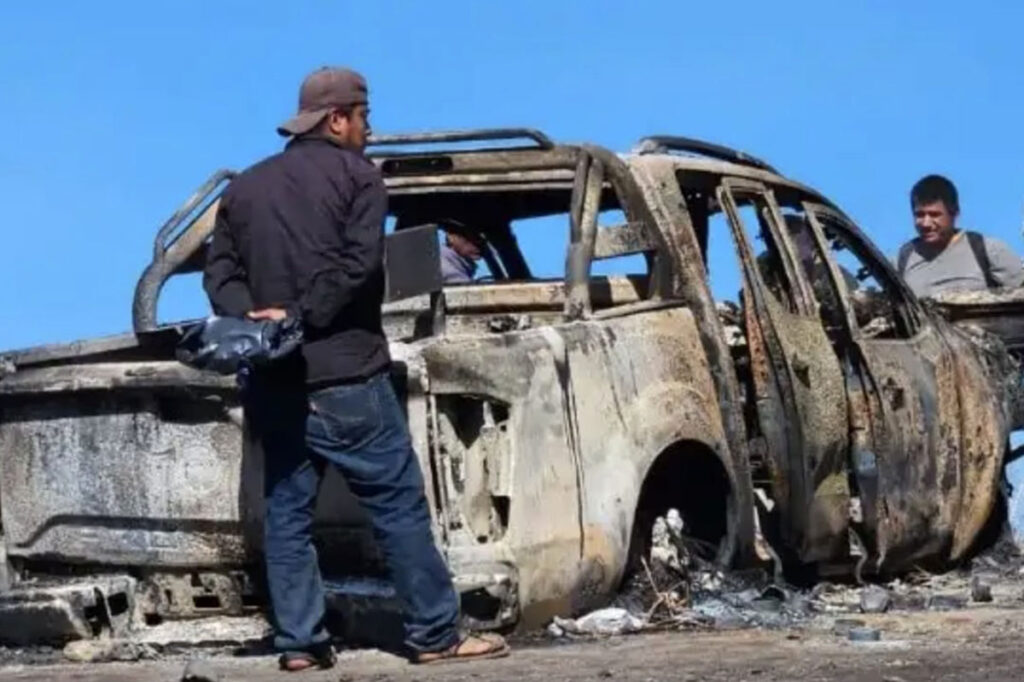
{"points": [[304, 230]]}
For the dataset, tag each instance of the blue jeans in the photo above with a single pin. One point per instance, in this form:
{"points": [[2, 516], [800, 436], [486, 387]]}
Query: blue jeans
{"points": [[360, 429]]}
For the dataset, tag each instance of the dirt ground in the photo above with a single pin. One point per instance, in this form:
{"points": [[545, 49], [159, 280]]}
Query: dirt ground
{"points": [[977, 643]]}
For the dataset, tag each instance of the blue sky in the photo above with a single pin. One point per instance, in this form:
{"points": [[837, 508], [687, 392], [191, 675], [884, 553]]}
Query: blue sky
{"points": [[113, 112]]}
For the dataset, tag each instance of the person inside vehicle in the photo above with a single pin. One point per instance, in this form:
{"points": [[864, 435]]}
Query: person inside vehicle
{"points": [[944, 257], [460, 252]]}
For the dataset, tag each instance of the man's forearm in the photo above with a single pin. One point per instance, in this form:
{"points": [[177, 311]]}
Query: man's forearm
{"points": [[230, 298], [224, 277]]}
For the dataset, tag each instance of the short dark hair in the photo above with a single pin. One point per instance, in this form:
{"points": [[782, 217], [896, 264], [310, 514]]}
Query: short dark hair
{"points": [[932, 188]]}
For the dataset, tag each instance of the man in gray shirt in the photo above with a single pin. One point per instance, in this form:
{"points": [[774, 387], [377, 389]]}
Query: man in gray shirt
{"points": [[945, 258]]}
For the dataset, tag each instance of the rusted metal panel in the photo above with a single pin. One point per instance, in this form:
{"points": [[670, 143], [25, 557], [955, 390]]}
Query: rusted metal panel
{"points": [[801, 402], [469, 183], [984, 425], [603, 292], [619, 240], [687, 282], [998, 313], [640, 386], [581, 242], [916, 445], [931, 423], [488, 161]]}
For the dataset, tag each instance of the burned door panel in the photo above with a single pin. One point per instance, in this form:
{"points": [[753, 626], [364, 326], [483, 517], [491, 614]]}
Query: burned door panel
{"points": [[817, 383], [798, 382], [916, 442], [983, 425], [912, 386]]}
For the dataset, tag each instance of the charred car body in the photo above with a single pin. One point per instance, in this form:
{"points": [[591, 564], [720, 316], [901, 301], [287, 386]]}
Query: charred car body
{"points": [[554, 418]]}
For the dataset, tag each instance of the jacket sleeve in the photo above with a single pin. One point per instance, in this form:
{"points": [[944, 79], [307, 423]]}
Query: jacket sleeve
{"points": [[224, 277], [354, 256]]}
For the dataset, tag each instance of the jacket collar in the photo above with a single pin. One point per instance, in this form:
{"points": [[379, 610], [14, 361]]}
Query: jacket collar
{"points": [[314, 138]]}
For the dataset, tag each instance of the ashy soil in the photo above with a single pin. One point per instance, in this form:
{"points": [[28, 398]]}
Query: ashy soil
{"points": [[976, 643]]}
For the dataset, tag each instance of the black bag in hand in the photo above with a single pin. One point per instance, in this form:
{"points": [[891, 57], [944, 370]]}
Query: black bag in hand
{"points": [[228, 344]]}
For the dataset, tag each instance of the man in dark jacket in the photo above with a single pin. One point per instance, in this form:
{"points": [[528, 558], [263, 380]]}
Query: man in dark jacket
{"points": [[301, 234]]}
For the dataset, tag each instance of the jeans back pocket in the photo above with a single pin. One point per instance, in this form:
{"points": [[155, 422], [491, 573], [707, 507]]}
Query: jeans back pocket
{"points": [[348, 414]]}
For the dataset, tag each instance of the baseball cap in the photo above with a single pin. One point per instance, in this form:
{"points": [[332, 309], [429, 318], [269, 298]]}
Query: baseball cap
{"points": [[327, 88]]}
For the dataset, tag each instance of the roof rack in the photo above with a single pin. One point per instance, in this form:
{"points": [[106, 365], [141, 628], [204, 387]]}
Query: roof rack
{"points": [[541, 140], [660, 144]]}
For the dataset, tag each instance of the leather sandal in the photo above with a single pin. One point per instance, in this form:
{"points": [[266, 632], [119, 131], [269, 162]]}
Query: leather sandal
{"points": [[469, 648], [300, 661]]}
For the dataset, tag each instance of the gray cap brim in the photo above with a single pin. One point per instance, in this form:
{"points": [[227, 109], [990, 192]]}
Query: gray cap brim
{"points": [[303, 122]]}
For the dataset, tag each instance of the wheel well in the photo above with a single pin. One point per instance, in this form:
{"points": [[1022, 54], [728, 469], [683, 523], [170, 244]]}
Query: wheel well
{"points": [[687, 476]]}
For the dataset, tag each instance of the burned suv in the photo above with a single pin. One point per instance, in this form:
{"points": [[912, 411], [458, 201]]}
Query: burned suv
{"points": [[721, 340]]}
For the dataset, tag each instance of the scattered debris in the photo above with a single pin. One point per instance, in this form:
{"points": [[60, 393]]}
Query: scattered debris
{"points": [[875, 599], [215, 632], [981, 591], [610, 621], [58, 612], [843, 626], [865, 634], [912, 600], [680, 589], [667, 545], [946, 602], [677, 588], [106, 650], [200, 671], [38, 654]]}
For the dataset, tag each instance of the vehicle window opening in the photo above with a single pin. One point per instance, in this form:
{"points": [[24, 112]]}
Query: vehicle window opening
{"points": [[816, 271], [879, 308], [725, 280], [755, 216], [722, 259], [488, 267], [524, 233]]}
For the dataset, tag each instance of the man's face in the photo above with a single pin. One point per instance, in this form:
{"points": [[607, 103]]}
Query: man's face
{"points": [[464, 246], [351, 129], [935, 223]]}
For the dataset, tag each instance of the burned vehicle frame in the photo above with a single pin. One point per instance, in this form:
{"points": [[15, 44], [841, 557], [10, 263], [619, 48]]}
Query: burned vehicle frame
{"points": [[554, 419]]}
